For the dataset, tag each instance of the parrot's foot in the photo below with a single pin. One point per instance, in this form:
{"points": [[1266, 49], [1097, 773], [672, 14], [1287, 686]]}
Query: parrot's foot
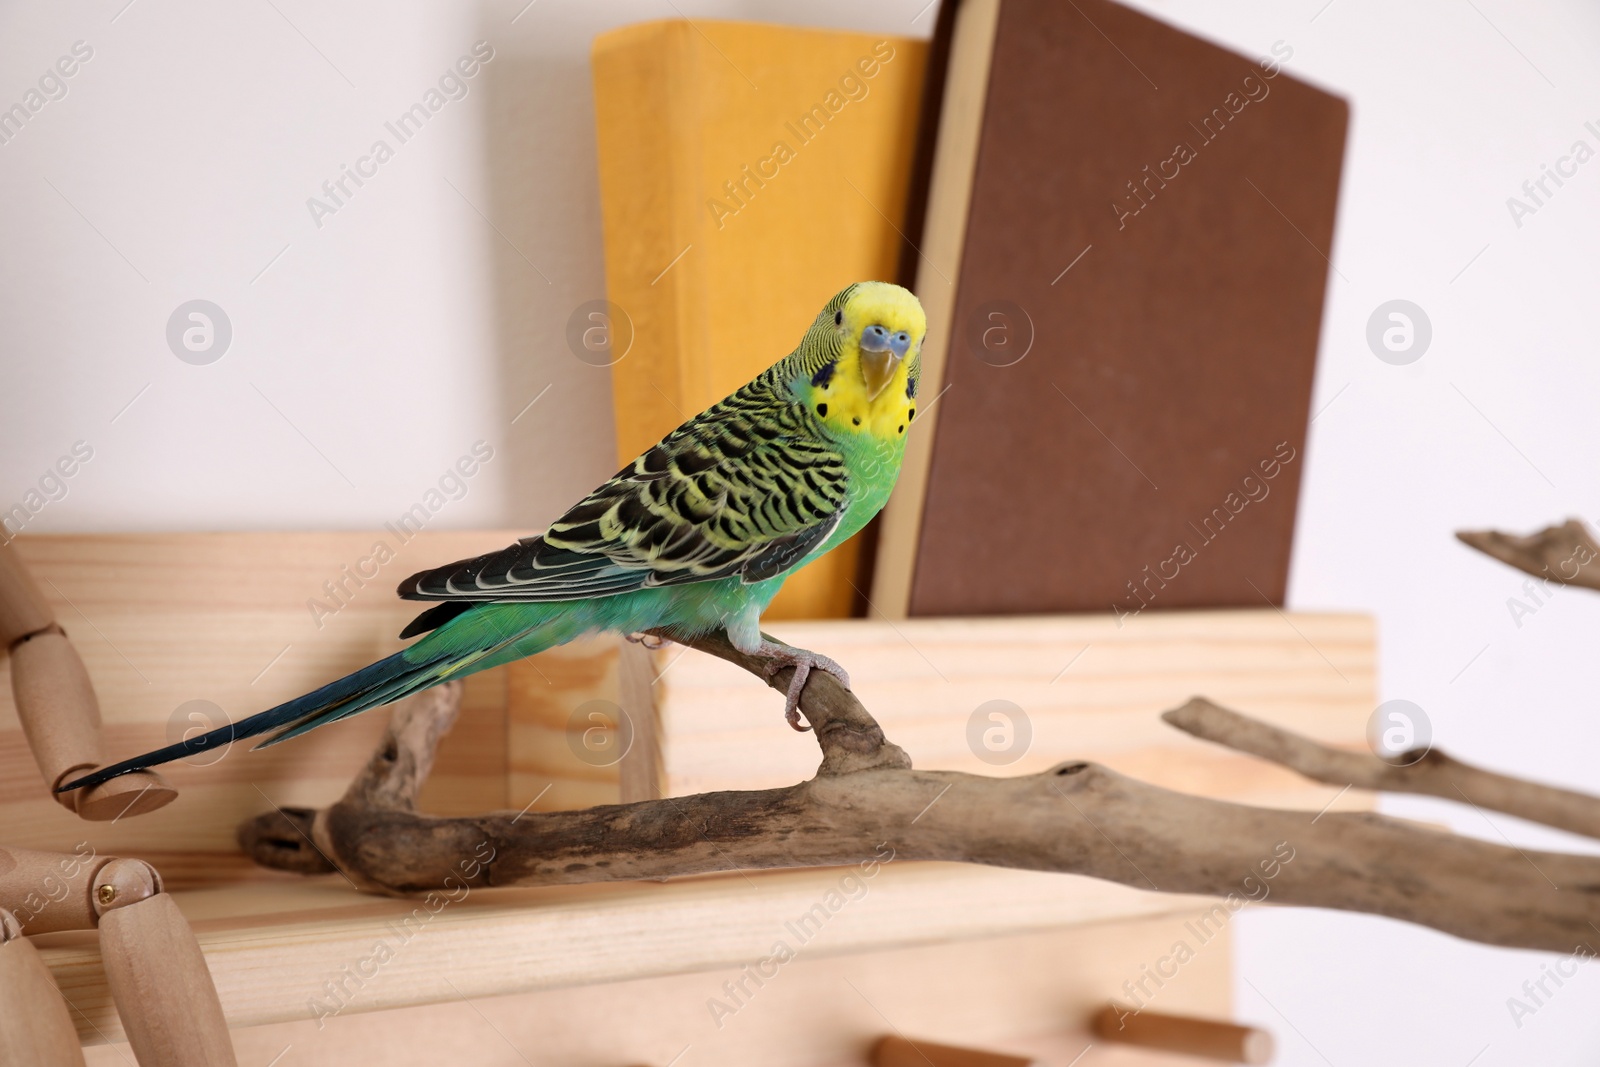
{"points": [[780, 656], [650, 641]]}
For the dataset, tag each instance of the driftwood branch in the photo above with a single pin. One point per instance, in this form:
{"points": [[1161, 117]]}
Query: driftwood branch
{"points": [[1077, 817], [1430, 773], [1565, 554], [850, 737]]}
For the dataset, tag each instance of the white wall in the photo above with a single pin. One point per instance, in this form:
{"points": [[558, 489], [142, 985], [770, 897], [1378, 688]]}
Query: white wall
{"points": [[372, 351], [368, 352]]}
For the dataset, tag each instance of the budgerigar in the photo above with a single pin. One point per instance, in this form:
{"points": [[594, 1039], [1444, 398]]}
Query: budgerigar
{"points": [[694, 536]]}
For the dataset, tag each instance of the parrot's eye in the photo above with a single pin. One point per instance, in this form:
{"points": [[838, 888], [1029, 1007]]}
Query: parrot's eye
{"points": [[838, 318]]}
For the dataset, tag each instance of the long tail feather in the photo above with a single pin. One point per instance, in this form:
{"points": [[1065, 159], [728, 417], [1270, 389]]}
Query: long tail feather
{"points": [[380, 683]]}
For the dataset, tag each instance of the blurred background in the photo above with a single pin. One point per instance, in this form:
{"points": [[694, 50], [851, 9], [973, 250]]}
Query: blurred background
{"points": [[371, 347]]}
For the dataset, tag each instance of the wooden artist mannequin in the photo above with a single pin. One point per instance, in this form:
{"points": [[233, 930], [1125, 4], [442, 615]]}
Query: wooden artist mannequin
{"points": [[57, 705], [157, 974]]}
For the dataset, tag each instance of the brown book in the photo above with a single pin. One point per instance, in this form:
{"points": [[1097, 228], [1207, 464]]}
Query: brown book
{"points": [[1123, 257]]}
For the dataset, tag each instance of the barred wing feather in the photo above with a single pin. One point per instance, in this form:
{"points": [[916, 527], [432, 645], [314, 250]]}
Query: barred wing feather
{"points": [[748, 489]]}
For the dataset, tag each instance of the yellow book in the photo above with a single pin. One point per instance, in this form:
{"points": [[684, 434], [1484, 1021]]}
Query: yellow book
{"points": [[747, 173]]}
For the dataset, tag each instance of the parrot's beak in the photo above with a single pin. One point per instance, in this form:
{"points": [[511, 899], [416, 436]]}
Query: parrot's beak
{"points": [[877, 371], [881, 353]]}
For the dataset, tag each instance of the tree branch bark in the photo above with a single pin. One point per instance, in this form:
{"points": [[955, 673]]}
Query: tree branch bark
{"points": [[1566, 554], [1430, 773], [1077, 817]]}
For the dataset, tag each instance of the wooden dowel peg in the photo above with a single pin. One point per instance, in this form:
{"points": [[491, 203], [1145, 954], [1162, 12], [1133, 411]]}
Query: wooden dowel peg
{"points": [[61, 717], [23, 609], [896, 1051], [157, 973], [35, 1028], [1206, 1038]]}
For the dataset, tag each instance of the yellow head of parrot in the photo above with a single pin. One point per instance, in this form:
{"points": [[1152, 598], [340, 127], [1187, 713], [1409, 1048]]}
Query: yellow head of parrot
{"points": [[881, 323], [872, 388]]}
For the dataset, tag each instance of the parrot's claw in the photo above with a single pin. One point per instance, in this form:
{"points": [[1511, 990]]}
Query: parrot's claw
{"points": [[781, 656], [650, 641]]}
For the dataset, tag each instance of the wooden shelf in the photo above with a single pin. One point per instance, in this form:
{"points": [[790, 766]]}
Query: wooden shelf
{"points": [[611, 974], [271, 946], [1025, 992], [1087, 686]]}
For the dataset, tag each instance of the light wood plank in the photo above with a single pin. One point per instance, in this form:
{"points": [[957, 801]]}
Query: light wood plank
{"points": [[1088, 689], [673, 946], [165, 619], [1019, 994], [550, 699]]}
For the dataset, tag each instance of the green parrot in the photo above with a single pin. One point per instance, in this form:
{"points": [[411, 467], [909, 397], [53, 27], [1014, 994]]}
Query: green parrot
{"points": [[696, 535]]}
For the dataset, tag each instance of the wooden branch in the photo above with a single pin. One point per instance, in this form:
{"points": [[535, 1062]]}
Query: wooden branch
{"points": [[850, 737], [1431, 774], [1566, 554], [1077, 817]]}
